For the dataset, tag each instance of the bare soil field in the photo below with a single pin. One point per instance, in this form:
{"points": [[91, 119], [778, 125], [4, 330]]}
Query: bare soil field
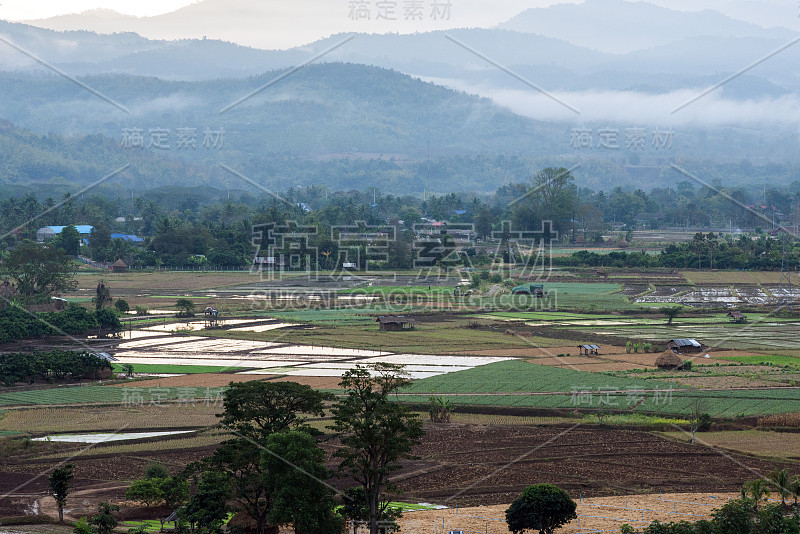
{"points": [[464, 464], [483, 464], [637, 510], [762, 442]]}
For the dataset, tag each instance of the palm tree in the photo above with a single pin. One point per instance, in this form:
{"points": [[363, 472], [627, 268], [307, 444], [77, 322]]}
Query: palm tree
{"points": [[780, 479], [757, 490], [794, 489]]}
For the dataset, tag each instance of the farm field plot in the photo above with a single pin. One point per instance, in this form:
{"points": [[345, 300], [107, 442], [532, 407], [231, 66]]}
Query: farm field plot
{"points": [[96, 394], [732, 277], [109, 437], [439, 337], [703, 382], [768, 359], [515, 376], [575, 295], [598, 514], [268, 358], [47, 419], [165, 443], [784, 445], [145, 368], [762, 336], [206, 379], [222, 362], [160, 341], [493, 464], [513, 384], [163, 280]]}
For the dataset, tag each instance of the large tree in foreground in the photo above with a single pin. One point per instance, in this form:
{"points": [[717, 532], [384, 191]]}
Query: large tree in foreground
{"points": [[294, 473], [60, 482], [40, 270], [376, 432], [257, 409], [541, 507], [254, 411]]}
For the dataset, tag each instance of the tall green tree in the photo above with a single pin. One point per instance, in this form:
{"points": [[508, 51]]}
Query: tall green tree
{"points": [[671, 312], [40, 270], [104, 521], [69, 240], [295, 474], [208, 507], [254, 411], [257, 409], [60, 484], [376, 432], [185, 307]]}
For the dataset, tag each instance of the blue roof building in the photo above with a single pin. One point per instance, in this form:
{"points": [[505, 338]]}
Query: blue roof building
{"points": [[50, 232], [128, 237]]}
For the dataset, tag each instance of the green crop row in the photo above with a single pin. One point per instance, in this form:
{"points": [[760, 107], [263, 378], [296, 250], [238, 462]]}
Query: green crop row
{"points": [[520, 376]]}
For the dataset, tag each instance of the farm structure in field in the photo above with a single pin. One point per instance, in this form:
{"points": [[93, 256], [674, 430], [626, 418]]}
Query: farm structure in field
{"points": [[390, 323], [588, 350], [669, 361], [537, 290], [119, 266], [679, 346], [736, 317]]}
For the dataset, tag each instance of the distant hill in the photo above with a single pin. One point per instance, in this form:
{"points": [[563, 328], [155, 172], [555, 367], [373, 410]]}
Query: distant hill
{"points": [[619, 26]]}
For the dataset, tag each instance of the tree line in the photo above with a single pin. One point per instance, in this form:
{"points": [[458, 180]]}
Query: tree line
{"points": [[49, 366], [183, 228]]}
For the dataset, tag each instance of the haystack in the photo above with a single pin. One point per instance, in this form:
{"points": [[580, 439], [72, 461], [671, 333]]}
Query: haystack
{"points": [[669, 360]]}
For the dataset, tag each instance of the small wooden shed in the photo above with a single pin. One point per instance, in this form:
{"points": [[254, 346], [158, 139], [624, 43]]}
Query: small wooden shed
{"points": [[737, 317], [588, 350], [679, 346], [395, 323]]}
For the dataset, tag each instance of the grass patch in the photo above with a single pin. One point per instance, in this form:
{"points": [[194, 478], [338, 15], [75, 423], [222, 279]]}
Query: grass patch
{"points": [[106, 394], [763, 360], [173, 369], [47, 419], [398, 290], [515, 376]]}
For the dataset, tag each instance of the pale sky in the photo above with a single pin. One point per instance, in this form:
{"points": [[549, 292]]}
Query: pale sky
{"points": [[33, 9]]}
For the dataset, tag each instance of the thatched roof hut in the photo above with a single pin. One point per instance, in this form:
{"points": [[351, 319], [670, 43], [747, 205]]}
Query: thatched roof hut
{"points": [[669, 360], [119, 266]]}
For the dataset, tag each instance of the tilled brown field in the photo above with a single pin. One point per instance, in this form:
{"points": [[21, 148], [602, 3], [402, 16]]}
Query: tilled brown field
{"points": [[482, 465], [468, 464]]}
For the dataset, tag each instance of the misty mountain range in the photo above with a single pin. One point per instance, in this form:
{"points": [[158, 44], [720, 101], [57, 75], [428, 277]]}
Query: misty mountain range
{"points": [[407, 97]]}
